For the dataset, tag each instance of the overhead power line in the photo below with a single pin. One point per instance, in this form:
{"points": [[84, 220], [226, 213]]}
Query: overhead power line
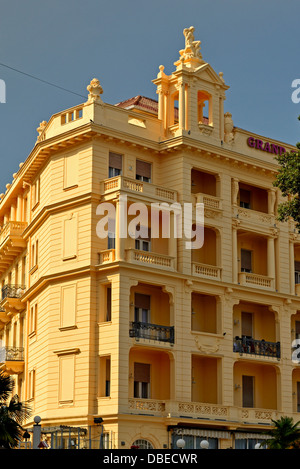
{"points": [[42, 81]]}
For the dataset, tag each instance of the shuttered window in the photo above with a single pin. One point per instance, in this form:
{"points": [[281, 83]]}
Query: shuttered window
{"points": [[247, 324], [142, 372], [297, 329], [245, 198], [143, 170], [246, 260], [142, 301], [142, 380], [115, 164], [248, 391]]}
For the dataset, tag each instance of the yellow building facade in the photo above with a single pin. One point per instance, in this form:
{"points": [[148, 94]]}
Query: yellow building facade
{"points": [[158, 340]]}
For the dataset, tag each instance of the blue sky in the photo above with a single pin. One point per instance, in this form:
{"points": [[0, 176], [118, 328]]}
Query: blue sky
{"points": [[255, 43]]}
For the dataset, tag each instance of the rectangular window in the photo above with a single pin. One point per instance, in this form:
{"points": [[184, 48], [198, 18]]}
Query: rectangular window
{"points": [[108, 303], [115, 165], [297, 272], [33, 319], [35, 193], [34, 254], [142, 380], [297, 329], [111, 234], [247, 325], [143, 171], [142, 308], [248, 391], [104, 384], [245, 198], [31, 384], [246, 260], [143, 244]]}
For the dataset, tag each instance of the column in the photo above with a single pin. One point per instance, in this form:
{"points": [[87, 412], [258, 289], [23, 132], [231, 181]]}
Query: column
{"points": [[181, 117], [292, 266], [173, 239], [271, 258], [234, 255], [119, 230], [19, 207], [235, 191], [271, 201]]}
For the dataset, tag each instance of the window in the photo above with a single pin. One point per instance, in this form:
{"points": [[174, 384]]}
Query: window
{"points": [[246, 260], [142, 380], [297, 329], [245, 198], [32, 319], [143, 171], [142, 444], [35, 193], [104, 384], [243, 443], [34, 254], [31, 384], [142, 308], [111, 235], [108, 303], [143, 244], [298, 396], [248, 391], [115, 165], [247, 325], [297, 272]]}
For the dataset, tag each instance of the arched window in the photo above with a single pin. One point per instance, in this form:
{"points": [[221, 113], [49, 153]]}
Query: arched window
{"points": [[142, 444], [204, 108]]}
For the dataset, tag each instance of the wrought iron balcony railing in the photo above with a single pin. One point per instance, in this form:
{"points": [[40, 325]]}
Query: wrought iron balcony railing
{"points": [[11, 354], [13, 291], [256, 347], [145, 330]]}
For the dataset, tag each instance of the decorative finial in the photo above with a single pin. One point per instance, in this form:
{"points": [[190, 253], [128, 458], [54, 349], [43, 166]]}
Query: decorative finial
{"points": [[95, 90]]}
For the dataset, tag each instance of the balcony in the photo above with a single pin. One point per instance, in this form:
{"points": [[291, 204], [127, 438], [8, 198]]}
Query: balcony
{"points": [[133, 186], [256, 280], [160, 261], [11, 243], [12, 359], [143, 330], [11, 298], [251, 346], [206, 271]]}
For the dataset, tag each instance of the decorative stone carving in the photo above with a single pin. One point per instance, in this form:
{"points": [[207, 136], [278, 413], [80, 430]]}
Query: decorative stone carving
{"points": [[228, 128], [40, 130], [207, 345], [95, 90], [190, 55]]}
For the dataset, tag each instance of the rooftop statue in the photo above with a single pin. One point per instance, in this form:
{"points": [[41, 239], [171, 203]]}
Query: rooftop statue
{"points": [[192, 47]]}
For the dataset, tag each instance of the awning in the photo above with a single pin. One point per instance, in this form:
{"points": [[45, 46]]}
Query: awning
{"points": [[203, 432], [250, 436]]}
